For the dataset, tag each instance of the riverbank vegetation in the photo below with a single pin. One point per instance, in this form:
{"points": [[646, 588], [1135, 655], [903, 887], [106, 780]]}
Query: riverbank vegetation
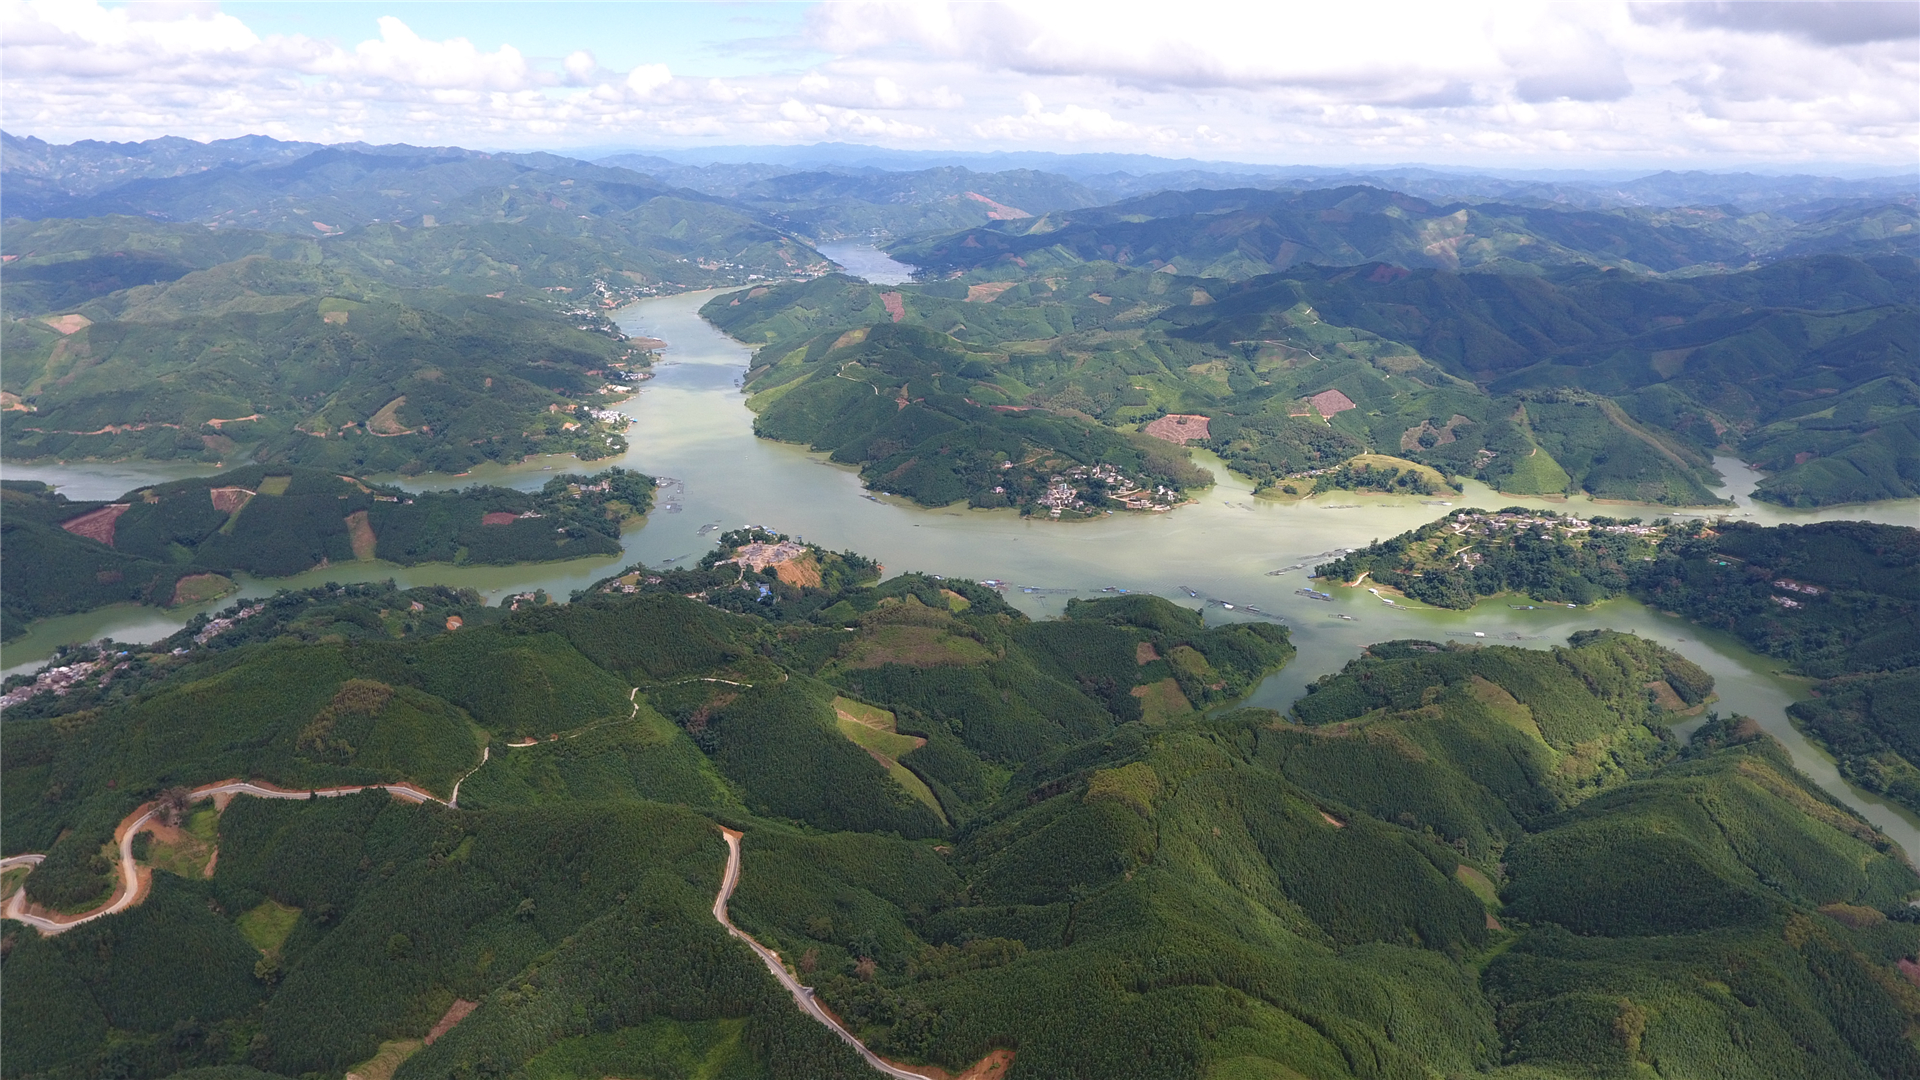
{"points": [[179, 542], [1449, 858], [1832, 598]]}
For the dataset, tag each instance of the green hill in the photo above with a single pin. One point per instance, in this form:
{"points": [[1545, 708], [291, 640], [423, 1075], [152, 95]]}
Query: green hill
{"points": [[1832, 597], [1572, 379], [1451, 859], [171, 543]]}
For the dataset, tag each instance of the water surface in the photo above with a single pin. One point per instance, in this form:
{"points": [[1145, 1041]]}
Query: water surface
{"points": [[866, 263], [693, 429]]}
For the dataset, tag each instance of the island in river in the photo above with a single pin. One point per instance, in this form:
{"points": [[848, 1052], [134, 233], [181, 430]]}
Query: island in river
{"points": [[179, 543]]}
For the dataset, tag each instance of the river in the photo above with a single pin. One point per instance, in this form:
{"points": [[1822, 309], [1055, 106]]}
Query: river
{"points": [[691, 425]]}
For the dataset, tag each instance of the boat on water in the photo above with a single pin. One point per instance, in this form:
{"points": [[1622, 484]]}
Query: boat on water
{"points": [[1190, 592], [1342, 615], [1314, 594], [1285, 570], [994, 583], [870, 498]]}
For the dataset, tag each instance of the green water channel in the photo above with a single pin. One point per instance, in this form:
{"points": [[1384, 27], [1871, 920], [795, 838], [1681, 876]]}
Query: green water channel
{"points": [[692, 429]]}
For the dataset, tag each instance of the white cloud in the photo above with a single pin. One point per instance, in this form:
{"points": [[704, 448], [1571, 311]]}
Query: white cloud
{"points": [[580, 67], [402, 56], [647, 78], [1070, 123], [1504, 81]]}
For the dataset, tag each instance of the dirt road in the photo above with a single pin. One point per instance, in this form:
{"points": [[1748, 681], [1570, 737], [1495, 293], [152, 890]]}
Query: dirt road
{"points": [[802, 995], [128, 892]]}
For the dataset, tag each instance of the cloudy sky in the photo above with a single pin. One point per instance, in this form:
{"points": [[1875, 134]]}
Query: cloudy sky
{"points": [[1542, 85]]}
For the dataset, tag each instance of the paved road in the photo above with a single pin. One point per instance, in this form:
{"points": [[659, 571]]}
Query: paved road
{"points": [[802, 995]]}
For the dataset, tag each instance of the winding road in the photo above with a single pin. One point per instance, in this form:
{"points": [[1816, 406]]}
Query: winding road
{"points": [[129, 892], [802, 995]]}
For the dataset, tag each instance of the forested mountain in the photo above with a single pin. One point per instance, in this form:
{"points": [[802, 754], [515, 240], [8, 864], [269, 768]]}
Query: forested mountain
{"points": [[836, 202], [1246, 232], [300, 364], [971, 833], [1536, 345], [1580, 379]]}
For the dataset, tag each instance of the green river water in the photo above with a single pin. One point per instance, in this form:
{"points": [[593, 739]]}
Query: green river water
{"points": [[691, 425]]}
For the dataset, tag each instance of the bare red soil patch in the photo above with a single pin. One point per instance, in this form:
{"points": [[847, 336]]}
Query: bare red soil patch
{"points": [[998, 211], [360, 533], [896, 305], [1328, 402], [457, 1012], [988, 292], [228, 499], [96, 524], [497, 517], [1181, 428]]}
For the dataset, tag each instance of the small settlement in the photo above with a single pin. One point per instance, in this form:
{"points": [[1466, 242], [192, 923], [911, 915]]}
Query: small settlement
{"points": [[1075, 490]]}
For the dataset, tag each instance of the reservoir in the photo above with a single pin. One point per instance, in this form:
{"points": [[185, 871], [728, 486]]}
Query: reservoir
{"points": [[692, 429]]}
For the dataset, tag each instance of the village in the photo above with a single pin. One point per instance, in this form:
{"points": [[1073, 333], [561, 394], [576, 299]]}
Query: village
{"points": [[1468, 522], [1064, 493]]}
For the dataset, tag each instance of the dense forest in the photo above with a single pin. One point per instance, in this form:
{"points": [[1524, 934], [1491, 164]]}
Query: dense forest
{"points": [[969, 831], [178, 542]]}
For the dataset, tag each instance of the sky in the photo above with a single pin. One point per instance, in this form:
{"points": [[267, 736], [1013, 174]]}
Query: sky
{"points": [[1464, 83]]}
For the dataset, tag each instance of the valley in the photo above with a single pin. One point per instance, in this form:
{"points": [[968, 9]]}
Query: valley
{"points": [[495, 616]]}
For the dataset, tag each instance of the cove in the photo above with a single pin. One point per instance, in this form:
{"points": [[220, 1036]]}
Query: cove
{"points": [[691, 428]]}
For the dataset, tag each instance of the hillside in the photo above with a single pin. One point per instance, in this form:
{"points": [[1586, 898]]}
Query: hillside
{"points": [[416, 309], [1617, 385], [178, 542], [1839, 601], [290, 364], [1450, 860]]}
